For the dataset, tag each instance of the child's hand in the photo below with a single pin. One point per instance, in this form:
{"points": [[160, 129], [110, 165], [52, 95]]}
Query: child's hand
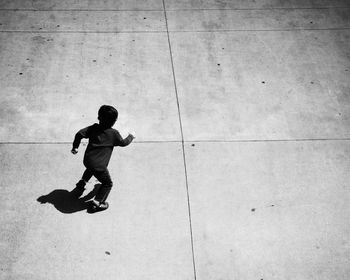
{"points": [[74, 151], [132, 134]]}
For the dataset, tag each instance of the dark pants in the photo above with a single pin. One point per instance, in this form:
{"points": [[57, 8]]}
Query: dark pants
{"points": [[105, 180]]}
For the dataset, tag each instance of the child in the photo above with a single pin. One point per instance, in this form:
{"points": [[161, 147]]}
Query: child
{"points": [[102, 139]]}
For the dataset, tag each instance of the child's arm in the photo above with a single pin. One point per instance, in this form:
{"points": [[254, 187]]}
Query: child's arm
{"points": [[83, 133], [124, 142]]}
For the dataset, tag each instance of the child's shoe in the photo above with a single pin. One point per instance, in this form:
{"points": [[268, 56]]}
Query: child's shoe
{"points": [[79, 189], [97, 206]]}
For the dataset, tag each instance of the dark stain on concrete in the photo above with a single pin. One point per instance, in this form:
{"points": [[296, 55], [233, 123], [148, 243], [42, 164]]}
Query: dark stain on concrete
{"points": [[39, 39], [344, 15], [253, 210]]}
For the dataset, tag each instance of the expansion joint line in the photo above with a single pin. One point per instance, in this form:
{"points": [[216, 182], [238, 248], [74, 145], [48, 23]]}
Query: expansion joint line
{"points": [[182, 141]]}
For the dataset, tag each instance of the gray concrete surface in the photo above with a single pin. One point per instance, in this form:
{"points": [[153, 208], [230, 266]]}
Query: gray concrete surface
{"points": [[144, 234], [270, 210], [241, 165]]}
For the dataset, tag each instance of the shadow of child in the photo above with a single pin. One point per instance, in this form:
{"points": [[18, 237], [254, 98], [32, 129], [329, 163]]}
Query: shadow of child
{"points": [[66, 202]]}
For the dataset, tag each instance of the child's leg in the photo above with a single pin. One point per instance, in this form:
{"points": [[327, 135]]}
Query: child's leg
{"points": [[106, 187], [87, 175], [80, 186], [84, 179]]}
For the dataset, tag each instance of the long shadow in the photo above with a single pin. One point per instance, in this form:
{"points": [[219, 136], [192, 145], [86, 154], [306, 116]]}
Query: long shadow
{"points": [[66, 202]]}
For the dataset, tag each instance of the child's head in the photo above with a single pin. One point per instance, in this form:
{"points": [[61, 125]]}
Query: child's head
{"points": [[107, 115]]}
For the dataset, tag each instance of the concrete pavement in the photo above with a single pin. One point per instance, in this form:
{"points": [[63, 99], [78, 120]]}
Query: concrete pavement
{"points": [[241, 163]]}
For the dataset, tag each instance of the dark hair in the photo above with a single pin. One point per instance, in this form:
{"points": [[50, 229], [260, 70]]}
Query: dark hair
{"points": [[107, 115]]}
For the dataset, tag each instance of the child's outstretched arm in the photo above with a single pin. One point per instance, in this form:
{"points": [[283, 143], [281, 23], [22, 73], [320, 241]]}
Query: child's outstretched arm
{"points": [[77, 139], [76, 143], [124, 141]]}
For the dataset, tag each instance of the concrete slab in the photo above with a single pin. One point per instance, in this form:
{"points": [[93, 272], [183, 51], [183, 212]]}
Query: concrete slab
{"points": [[82, 4], [53, 84], [143, 235], [82, 21], [260, 210], [252, 4], [270, 210], [205, 20], [263, 85]]}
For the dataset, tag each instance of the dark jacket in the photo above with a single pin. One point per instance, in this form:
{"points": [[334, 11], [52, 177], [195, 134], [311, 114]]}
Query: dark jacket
{"points": [[101, 143]]}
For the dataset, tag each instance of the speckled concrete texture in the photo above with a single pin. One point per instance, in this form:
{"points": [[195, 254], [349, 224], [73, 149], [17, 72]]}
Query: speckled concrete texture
{"points": [[241, 165]]}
